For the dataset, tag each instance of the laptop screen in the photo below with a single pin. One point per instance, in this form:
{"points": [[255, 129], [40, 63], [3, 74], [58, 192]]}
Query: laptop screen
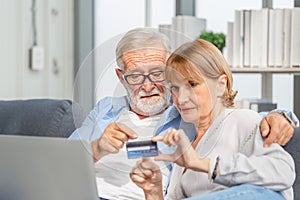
{"points": [[35, 168]]}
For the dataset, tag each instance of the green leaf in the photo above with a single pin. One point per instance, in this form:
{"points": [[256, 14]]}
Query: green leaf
{"points": [[218, 39]]}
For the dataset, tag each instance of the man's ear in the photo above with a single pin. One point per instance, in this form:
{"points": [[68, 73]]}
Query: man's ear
{"points": [[221, 85], [120, 75]]}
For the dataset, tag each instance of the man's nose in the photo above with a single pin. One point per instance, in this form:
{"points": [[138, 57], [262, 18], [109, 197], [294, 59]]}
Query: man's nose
{"points": [[148, 86]]}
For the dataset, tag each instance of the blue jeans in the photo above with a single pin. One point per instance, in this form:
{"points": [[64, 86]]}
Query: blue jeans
{"points": [[242, 192]]}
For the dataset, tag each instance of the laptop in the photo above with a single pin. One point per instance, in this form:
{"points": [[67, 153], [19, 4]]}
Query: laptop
{"points": [[41, 168]]}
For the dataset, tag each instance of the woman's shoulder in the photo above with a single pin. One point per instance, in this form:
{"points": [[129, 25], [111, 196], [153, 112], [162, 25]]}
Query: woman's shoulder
{"points": [[244, 116], [245, 122], [243, 112]]}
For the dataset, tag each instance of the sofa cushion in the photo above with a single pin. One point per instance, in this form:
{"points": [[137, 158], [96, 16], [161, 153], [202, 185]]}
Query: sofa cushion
{"points": [[40, 117]]}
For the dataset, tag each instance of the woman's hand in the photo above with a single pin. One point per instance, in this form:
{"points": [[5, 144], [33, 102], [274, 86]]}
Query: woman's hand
{"points": [[185, 155], [147, 175]]}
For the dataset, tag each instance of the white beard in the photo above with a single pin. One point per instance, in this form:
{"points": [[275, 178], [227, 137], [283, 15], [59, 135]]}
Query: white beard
{"points": [[148, 106]]}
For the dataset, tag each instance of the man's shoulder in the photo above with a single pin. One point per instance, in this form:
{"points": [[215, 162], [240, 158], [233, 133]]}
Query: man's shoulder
{"points": [[171, 111], [112, 101]]}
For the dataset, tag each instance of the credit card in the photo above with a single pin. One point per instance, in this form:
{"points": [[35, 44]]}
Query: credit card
{"points": [[141, 149]]}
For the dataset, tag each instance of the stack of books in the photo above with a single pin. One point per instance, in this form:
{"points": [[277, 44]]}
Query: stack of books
{"points": [[258, 105], [264, 38]]}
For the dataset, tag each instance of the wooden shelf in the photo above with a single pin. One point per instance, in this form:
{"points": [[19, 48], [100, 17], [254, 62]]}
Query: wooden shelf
{"points": [[294, 70]]}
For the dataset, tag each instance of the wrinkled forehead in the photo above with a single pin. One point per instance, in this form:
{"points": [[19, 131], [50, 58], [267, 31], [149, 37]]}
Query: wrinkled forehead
{"points": [[144, 57]]}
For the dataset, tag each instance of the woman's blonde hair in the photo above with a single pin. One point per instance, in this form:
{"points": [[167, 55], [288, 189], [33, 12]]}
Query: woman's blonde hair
{"points": [[201, 58]]}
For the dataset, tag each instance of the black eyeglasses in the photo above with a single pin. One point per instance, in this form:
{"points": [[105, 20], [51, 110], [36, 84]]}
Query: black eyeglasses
{"points": [[138, 79]]}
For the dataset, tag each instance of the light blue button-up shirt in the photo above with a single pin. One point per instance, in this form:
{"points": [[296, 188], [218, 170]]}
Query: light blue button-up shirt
{"points": [[109, 109]]}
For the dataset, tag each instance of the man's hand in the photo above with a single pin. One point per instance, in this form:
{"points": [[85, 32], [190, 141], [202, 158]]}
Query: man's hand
{"points": [[275, 128], [112, 140]]}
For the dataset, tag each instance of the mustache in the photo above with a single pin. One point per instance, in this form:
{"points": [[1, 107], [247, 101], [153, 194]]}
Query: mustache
{"points": [[155, 91]]}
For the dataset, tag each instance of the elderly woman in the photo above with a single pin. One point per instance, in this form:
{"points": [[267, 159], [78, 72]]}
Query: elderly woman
{"points": [[228, 149]]}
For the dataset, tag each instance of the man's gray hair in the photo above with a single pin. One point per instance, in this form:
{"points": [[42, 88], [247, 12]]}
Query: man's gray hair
{"points": [[140, 38]]}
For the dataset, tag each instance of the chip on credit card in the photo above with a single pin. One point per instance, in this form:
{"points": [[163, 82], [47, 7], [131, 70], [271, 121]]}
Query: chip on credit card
{"points": [[141, 149]]}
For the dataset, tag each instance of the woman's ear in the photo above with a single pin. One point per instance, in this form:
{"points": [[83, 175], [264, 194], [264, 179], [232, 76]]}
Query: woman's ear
{"points": [[119, 73], [221, 85]]}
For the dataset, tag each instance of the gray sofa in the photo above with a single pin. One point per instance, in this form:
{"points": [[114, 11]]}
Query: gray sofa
{"points": [[293, 147], [40, 117]]}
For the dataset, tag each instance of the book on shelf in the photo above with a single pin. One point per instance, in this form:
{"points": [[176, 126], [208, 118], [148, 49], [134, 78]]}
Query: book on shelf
{"points": [[229, 43], [278, 43], [286, 37], [295, 37], [259, 38], [271, 42], [276, 38], [238, 38], [247, 38]]}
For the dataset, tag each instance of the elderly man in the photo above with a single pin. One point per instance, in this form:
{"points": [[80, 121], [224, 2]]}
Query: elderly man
{"points": [[145, 112]]}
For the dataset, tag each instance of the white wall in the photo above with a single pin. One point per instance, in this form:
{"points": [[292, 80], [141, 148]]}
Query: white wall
{"points": [[55, 34], [111, 22]]}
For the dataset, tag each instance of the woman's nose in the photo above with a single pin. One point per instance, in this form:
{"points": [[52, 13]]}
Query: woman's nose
{"points": [[183, 95]]}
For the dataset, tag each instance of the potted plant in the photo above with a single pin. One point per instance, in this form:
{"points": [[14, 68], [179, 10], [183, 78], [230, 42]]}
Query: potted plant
{"points": [[218, 39]]}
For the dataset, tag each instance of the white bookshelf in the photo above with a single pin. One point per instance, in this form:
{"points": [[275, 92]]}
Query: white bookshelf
{"points": [[289, 62]]}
